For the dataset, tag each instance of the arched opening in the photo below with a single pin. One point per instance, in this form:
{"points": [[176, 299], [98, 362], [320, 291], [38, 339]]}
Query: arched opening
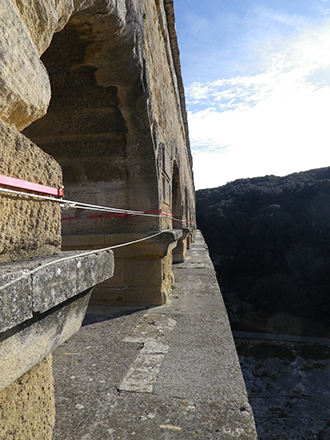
{"points": [[176, 198], [96, 125]]}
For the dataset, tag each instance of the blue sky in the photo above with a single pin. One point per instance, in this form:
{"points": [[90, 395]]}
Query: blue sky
{"points": [[257, 82]]}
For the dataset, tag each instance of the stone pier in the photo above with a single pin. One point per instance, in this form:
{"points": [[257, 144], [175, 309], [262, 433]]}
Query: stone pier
{"points": [[117, 124]]}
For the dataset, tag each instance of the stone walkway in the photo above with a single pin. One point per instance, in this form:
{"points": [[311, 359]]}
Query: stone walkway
{"points": [[168, 372]]}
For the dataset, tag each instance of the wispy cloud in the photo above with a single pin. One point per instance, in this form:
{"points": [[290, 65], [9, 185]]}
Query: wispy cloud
{"points": [[237, 93], [295, 66], [276, 121]]}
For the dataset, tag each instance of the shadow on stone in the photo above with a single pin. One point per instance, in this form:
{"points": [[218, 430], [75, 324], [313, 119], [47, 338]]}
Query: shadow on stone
{"points": [[99, 313]]}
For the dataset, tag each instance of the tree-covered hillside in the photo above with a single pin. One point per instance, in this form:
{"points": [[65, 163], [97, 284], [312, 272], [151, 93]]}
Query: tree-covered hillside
{"points": [[269, 238]]}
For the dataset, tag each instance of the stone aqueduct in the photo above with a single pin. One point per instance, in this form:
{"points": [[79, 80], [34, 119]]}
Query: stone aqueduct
{"points": [[106, 106], [117, 125]]}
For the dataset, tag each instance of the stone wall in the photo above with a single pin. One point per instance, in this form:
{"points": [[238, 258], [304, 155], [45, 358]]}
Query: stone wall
{"points": [[28, 228], [167, 115], [97, 125], [117, 125], [31, 324]]}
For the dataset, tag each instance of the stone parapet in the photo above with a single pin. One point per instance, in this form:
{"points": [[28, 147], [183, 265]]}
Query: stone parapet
{"points": [[43, 302]]}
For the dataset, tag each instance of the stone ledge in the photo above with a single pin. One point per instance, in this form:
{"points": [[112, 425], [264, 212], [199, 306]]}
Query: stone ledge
{"points": [[30, 287], [42, 303], [158, 246], [180, 252], [26, 345]]}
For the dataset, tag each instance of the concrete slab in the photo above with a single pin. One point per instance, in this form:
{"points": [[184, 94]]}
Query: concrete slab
{"points": [[169, 372]]}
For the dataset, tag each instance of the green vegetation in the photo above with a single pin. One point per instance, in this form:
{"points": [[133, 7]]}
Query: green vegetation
{"points": [[269, 238]]}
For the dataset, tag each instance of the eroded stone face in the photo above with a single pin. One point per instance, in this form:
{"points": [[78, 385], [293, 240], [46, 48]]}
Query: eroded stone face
{"points": [[26, 30], [24, 83], [42, 18], [167, 113], [116, 124]]}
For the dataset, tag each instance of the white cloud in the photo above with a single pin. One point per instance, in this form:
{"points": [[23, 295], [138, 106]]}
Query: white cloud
{"points": [[275, 137], [276, 122]]}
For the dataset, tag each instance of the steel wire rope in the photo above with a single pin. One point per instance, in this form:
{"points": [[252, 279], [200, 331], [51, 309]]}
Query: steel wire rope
{"points": [[71, 257], [68, 204]]}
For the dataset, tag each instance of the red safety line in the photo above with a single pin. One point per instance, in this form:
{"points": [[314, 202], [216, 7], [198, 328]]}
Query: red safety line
{"points": [[168, 215], [158, 212], [124, 215], [98, 216], [35, 187]]}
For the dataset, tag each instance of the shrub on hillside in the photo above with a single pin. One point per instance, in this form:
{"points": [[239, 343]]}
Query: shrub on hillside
{"points": [[270, 239]]}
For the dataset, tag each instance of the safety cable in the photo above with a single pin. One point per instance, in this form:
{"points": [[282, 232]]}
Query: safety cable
{"points": [[30, 186], [71, 257], [70, 204]]}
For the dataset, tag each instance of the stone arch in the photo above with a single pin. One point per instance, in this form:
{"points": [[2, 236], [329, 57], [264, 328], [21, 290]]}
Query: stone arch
{"points": [[97, 126]]}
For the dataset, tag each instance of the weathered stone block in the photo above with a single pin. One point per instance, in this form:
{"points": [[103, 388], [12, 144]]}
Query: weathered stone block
{"points": [[55, 284], [80, 123], [87, 241], [118, 279], [143, 272], [133, 296], [39, 314], [28, 227], [144, 268], [24, 84], [16, 300], [141, 282], [22, 159], [159, 246], [180, 252], [27, 406], [83, 96]]}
